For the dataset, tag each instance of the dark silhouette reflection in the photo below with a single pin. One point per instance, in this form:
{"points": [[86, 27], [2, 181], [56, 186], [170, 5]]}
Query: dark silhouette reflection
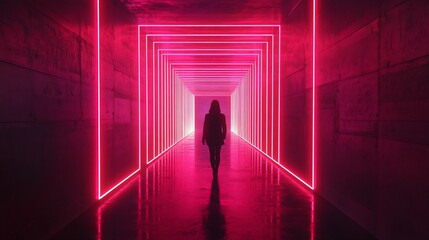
{"points": [[214, 222]]}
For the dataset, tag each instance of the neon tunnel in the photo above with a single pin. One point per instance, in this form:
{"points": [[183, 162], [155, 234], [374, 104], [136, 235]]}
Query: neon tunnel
{"points": [[179, 63], [102, 104]]}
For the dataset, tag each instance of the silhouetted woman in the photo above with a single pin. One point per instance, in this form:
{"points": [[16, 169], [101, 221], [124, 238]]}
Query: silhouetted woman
{"points": [[214, 134]]}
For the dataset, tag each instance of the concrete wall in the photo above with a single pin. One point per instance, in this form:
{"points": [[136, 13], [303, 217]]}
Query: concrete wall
{"points": [[48, 113], [119, 94], [296, 86], [373, 112]]}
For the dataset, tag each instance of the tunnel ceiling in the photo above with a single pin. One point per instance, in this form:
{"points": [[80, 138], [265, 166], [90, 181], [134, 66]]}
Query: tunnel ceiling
{"points": [[206, 11], [211, 60], [214, 59]]}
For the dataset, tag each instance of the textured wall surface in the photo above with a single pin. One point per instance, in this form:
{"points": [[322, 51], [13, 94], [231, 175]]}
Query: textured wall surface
{"points": [[296, 86], [48, 112], [119, 94], [373, 145]]}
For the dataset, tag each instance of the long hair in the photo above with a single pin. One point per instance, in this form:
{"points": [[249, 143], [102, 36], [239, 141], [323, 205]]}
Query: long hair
{"points": [[214, 107]]}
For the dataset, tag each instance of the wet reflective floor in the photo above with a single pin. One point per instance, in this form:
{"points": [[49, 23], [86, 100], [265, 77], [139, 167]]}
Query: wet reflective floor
{"points": [[176, 197]]}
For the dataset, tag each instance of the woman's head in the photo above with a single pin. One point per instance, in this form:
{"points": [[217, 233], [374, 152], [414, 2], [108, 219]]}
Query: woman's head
{"points": [[214, 107]]}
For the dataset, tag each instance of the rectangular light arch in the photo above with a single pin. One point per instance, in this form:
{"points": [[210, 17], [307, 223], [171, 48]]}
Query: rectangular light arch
{"points": [[276, 116], [142, 89]]}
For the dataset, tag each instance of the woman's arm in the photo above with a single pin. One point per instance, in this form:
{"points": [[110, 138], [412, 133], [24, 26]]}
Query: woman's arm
{"points": [[204, 129], [223, 126]]}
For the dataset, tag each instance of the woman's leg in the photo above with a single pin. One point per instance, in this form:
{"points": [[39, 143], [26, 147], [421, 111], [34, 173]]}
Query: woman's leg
{"points": [[212, 150], [217, 162]]}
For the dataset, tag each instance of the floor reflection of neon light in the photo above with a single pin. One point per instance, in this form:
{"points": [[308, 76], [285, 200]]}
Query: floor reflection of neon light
{"points": [[107, 204]]}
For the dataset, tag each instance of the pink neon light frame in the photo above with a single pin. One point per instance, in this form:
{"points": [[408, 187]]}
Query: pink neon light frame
{"points": [[313, 120], [279, 106], [312, 186], [101, 194], [247, 35], [267, 73], [194, 78], [153, 46], [243, 67]]}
